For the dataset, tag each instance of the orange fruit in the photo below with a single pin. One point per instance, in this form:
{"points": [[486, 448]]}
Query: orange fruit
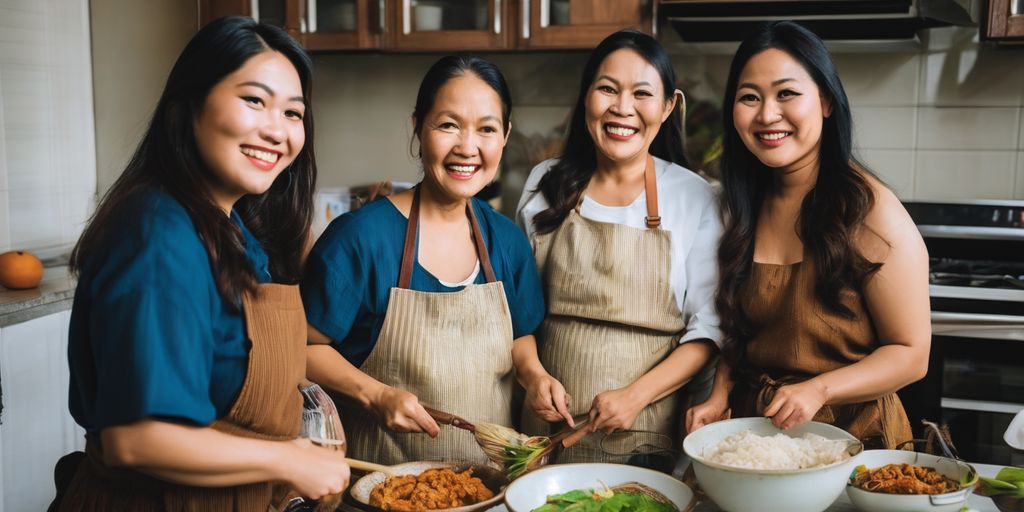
{"points": [[20, 270]]}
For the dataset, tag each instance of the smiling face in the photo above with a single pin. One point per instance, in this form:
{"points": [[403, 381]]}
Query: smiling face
{"points": [[462, 138], [779, 111], [625, 107], [250, 127]]}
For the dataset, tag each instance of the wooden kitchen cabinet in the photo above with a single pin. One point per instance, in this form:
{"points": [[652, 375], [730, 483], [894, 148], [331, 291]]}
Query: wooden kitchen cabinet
{"points": [[568, 24], [1004, 21], [317, 24], [442, 25], [433, 25]]}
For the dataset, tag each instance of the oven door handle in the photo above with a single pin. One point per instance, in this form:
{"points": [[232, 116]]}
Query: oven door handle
{"points": [[982, 406], [976, 319]]}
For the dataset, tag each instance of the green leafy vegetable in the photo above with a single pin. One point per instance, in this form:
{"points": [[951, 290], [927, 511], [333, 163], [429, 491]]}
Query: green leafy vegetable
{"points": [[1008, 481], [609, 500]]}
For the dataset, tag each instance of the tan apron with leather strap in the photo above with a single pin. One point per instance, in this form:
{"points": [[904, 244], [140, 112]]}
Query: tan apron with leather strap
{"points": [[269, 406], [452, 350], [611, 317]]}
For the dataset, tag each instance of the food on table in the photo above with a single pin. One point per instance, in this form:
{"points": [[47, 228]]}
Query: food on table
{"points": [[20, 270], [1006, 489], [904, 479], [628, 497], [751, 451], [431, 490]]}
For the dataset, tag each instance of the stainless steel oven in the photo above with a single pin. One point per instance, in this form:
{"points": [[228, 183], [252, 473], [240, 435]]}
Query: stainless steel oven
{"points": [[975, 381]]}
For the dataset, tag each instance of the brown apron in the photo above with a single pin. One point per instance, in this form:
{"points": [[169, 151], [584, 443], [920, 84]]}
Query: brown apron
{"points": [[611, 317], [798, 338], [269, 406], [452, 350]]}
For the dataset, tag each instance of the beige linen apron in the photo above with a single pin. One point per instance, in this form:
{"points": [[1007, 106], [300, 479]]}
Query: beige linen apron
{"points": [[452, 350], [269, 406], [611, 318]]}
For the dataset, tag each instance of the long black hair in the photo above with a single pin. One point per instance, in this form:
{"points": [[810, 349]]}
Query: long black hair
{"points": [[168, 159], [563, 185], [831, 213]]}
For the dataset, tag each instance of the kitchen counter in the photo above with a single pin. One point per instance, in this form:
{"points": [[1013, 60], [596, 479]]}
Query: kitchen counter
{"points": [[53, 295]]}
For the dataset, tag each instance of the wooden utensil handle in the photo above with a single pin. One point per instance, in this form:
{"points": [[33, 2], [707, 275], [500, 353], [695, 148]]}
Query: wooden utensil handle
{"points": [[362, 465], [449, 419]]}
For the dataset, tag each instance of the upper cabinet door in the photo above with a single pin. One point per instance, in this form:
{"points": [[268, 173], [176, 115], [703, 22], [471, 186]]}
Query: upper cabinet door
{"points": [[580, 23], [1005, 20], [430, 25], [341, 24], [317, 24]]}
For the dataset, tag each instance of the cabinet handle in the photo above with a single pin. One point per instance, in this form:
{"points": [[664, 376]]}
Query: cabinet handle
{"points": [[311, 15], [526, 19], [545, 13], [380, 14], [254, 9], [406, 24], [497, 16]]}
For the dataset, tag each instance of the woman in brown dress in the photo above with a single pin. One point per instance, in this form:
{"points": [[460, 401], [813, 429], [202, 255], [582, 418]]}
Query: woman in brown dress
{"points": [[824, 292]]}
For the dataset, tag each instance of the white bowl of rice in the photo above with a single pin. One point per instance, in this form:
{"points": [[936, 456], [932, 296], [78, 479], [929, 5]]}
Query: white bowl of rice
{"points": [[749, 465]]}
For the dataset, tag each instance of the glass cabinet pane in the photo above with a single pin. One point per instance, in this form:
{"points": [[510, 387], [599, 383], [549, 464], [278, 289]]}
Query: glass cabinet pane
{"points": [[1018, 8], [331, 15], [432, 15], [558, 12], [271, 12]]}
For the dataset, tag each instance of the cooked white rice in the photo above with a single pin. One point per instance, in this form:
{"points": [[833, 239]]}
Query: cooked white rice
{"points": [[751, 451]]}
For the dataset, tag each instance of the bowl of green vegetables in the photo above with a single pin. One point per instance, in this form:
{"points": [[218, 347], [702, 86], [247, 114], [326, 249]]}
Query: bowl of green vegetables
{"points": [[596, 487]]}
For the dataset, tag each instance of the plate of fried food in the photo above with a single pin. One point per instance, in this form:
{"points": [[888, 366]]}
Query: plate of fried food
{"points": [[434, 485], [898, 481]]}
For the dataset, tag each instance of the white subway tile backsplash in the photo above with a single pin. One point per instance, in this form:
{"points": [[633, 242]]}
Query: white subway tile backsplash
{"points": [[973, 76], [964, 174], [895, 167], [875, 80], [967, 128], [76, 206], [884, 127]]}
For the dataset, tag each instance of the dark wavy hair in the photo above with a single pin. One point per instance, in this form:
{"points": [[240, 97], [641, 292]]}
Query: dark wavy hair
{"points": [[451, 66], [563, 185], [168, 159], [833, 210]]}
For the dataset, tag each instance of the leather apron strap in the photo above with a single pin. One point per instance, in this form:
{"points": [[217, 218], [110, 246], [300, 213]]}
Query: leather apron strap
{"points": [[409, 246]]}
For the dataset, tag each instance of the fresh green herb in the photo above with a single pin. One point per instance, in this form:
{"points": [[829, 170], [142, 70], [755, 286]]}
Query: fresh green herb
{"points": [[608, 500], [1009, 481]]}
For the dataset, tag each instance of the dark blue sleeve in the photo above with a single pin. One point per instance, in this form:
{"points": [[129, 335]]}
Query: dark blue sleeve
{"points": [[334, 286], [150, 322]]}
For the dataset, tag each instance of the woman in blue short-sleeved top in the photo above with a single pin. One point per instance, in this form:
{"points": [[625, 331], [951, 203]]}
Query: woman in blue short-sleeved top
{"points": [[421, 299], [186, 347]]}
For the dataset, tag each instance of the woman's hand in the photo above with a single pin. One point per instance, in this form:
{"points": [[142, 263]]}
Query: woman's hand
{"points": [[546, 397], [796, 404], [315, 472], [615, 410], [400, 410], [715, 408]]}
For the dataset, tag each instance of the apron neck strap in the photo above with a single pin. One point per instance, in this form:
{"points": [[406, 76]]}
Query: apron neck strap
{"points": [[653, 220], [409, 248]]}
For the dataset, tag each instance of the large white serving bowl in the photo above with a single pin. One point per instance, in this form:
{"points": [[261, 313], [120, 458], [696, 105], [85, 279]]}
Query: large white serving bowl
{"points": [[755, 490], [532, 489], [882, 502]]}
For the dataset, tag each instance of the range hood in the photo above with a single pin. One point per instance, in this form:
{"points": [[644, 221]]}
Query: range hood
{"points": [[732, 20]]}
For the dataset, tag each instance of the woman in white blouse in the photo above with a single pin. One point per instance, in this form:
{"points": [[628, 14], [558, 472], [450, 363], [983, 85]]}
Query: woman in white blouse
{"points": [[629, 280]]}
